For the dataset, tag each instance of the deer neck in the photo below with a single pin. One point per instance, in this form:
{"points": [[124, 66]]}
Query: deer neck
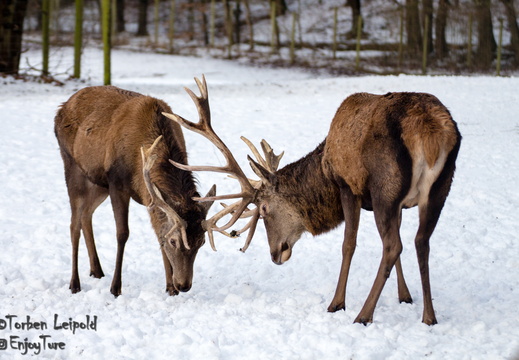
{"points": [[311, 192]]}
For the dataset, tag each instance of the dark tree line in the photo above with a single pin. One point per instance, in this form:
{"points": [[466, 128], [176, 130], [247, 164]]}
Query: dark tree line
{"points": [[425, 23]]}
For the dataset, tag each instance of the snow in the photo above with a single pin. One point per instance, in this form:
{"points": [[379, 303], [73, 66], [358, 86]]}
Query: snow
{"points": [[242, 306]]}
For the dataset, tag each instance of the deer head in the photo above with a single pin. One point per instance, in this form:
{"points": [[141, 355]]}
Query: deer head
{"points": [[172, 230]]}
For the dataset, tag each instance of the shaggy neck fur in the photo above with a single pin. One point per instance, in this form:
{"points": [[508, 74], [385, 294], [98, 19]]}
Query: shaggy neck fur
{"points": [[304, 184]]}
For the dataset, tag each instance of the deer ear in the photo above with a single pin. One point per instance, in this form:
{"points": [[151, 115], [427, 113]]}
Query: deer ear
{"points": [[207, 204], [266, 176]]}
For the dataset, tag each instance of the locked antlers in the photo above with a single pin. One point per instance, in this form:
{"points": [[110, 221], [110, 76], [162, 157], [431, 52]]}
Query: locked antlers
{"points": [[249, 188]]}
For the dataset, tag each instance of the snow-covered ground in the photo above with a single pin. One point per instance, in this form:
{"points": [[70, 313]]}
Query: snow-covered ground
{"points": [[242, 306]]}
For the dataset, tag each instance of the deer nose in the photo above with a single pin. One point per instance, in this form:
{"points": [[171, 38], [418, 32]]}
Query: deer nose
{"points": [[183, 287], [281, 255]]}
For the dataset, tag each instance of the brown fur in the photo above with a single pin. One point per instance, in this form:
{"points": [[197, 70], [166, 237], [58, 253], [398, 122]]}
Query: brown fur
{"points": [[100, 131], [382, 153], [426, 126]]}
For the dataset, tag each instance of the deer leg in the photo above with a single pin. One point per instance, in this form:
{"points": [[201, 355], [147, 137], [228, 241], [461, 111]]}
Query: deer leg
{"points": [[387, 224], [95, 197], [120, 203], [429, 215], [403, 292], [75, 234], [170, 288], [425, 229], [76, 186], [351, 205], [404, 296]]}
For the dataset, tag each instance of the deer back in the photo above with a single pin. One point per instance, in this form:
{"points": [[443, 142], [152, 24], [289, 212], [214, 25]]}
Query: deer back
{"points": [[103, 128]]}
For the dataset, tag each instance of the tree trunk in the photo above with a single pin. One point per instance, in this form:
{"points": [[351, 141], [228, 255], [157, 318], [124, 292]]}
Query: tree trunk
{"points": [[355, 15], [119, 17], [142, 29], [427, 11], [248, 19], [237, 24], [281, 7], [486, 41], [413, 29], [441, 47], [12, 14], [511, 17]]}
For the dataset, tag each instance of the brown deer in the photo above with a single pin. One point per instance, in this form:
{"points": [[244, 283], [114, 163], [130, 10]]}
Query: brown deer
{"points": [[382, 153], [102, 132]]}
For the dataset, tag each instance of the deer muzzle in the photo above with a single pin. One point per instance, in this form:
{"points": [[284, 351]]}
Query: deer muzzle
{"points": [[282, 254]]}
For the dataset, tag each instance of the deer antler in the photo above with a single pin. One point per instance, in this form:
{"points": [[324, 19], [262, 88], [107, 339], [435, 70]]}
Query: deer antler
{"points": [[269, 162], [203, 127], [148, 159]]}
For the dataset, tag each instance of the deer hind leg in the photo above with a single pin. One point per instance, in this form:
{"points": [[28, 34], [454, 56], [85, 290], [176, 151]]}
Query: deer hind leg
{"points": [[120, 203], [351, 205], [429, 213], [75, 234], [95, 197], [404, 296], [84, 197], [387, 224]]}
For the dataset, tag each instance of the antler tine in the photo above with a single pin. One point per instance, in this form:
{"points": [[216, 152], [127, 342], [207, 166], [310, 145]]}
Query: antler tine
{"points": [[148, 159], [255, 151], [271, 160]]}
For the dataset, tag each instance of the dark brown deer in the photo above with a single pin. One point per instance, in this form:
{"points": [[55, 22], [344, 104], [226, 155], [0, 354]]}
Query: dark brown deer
{"points": [[102, 132], [382, 153]]}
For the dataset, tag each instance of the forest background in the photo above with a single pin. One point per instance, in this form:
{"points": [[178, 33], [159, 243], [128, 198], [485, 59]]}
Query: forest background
{"points": [[337, 36]]}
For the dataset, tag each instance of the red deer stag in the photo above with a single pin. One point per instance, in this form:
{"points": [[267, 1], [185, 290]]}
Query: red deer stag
{"points": [[102, 132], [382, 153]]}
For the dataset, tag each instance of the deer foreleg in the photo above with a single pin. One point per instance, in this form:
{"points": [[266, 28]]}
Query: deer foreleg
{"points": [[351, 207]]}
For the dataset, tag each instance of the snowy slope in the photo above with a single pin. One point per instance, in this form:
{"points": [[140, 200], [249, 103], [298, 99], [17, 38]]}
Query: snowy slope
{"points": [[242, 306]]}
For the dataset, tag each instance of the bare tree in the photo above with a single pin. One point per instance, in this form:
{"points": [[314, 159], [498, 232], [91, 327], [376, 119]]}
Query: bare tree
{"points": [[142, 29], [511, 17], [427, 16], [486, 40], [119, 17], [355, 15], [12, 14], [440, 45], [413, 28], [281, 7]]}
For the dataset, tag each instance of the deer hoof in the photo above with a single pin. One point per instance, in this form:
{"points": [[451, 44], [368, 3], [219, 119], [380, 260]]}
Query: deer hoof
{"points": [[407, 299], [74, 287], [363, 320], [334, 308], [98, 274], [115, 290], [430, 321], [171, 290]]}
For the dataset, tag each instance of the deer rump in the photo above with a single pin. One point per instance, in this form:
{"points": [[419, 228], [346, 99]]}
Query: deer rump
{"points": [[398, 142]]}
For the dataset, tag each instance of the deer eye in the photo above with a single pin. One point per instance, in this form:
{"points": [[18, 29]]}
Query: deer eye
{"points": [[173, 243]]}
